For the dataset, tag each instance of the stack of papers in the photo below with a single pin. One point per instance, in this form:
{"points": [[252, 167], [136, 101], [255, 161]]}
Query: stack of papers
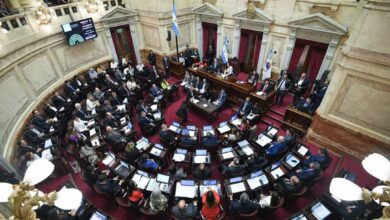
{"points": [[185, 191], [276, 173], [227, 155], [237, 187], [179, 157]]}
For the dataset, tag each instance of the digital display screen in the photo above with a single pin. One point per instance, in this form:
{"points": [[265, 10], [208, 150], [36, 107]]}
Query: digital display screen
{"points": [[79, 31]]}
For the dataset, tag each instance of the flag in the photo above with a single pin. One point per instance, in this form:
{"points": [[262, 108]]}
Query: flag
{"points": [[225, 57], [175, 25], [267, 66]]}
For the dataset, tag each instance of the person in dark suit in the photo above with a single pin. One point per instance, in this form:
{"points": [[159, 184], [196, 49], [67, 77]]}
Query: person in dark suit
{"points": [[287, 186], [182, 112], [283, 85], [58, 100], [188, 57], [182, 211], [25, 148], [145, 121], [267, 87], [166, 64], [276, 147], [221, 98], [253, 78], [318, 95], [111, 121], [301, 86], [115, 100], [306, 106], [203, 87], [141, 107], [80, 113], [210, 140], [190, 93], [201, 172], [242, 206], [308, 174], [152, 58], [187, 140], [115, 139], [290, 138], [256, 162], [123, 91], [322, 158], [108, 186], [34, 135], [166, 135], [234, 168], [245, 108], [156, 92], [210, 54], [214, 67], [91, 174], [69, 89], [41, 122]]}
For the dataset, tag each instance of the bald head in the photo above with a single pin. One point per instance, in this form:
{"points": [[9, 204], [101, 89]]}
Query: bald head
{"points": [[280, 139], [181, 204], [109, 129]]}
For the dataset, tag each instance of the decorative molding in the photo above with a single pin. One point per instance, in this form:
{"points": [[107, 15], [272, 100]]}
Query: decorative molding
{"points": [[260, 16], [118, 13], [208, 10], [320, 23]]}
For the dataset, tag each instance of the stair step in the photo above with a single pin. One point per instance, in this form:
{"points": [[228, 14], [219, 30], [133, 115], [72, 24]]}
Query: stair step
{"points": [[270, 121], [280, 120], [276, 112]]}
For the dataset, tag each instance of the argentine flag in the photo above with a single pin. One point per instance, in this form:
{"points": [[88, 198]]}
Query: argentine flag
{"points": [[267, 70], [225, 57], [175, 25]]}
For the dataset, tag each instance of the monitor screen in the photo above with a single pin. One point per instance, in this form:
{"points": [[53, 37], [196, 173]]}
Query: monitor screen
{"points": [[185, 132], [181, 151], [188, 183], [129, 125], [234, 117], [159, 146], [201, 152], [191, 127], [223, 124], [236, 179], [145, 139], [79, 31], [176, 124], [226, 149], [210, 182], [207, 127], [257, 173], [98, 216], [243, 143], [162, 178]]}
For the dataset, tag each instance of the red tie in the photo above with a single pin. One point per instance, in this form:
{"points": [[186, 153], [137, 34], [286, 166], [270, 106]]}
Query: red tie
{"points": [[265, 88]]}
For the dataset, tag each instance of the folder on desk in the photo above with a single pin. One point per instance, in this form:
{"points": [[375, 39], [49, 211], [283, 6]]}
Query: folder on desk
{"points": [[109, 159], [143, 182], [236, 122], [151, 184], [157, 116]]}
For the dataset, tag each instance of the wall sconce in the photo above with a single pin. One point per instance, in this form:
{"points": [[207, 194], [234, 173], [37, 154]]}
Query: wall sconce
{"points": [[92, 6], [43, 15]]}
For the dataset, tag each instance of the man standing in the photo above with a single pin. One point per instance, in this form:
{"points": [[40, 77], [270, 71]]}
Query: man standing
{"points": [[300, 87], [283, 85], [166, 65], [152, 58]]}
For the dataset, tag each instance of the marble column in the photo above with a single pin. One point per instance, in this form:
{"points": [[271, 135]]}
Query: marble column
{"points": [[289, 49], [134, 38], [263, 49], [328, 55], [219, 38], [236, 41], [199, 37]]}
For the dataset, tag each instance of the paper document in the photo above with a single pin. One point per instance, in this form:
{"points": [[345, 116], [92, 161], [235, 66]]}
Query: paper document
{"points": [[263, 140], [276, 173], [151, 184], [143, 182], [92, 132], [237, 187], [185, 191], [320, 211], [247, 150], [179, 157], [95, 142], [302, 150], [236, 122], [153, 107], [109, 160], [46, 154], [121, 108], [227, 155], [91, 123], [157, 115], [224, 129], [272, 132], [195, 101], [48, 143]]}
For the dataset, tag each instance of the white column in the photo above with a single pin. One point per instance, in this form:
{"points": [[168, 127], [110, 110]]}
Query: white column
{"points": [[263, 49], [219, 38], [134, 38], [199, 36], [328, 55], [111, 44], [236, 41], [289, 49]]}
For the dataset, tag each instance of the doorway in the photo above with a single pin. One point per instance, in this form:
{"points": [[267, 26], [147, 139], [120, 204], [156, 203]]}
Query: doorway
{"points": [[123, 43], [209, 37], [249, 51]]}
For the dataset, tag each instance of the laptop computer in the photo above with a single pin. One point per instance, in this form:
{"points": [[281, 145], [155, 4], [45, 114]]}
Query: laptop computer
{"points": [[176, 124], [191, 127], [162, 178], [227, 149], [181, 151], [187, 183], [236, 179], [223, 124], [255, 174], [243, 143], [210, 182], [201, 152], [207, 127]]}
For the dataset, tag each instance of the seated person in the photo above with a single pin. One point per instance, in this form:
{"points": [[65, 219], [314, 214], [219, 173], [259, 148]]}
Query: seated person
{"points": [[145, 121], [34, 135], [290, 138], [276, 147], [256, 162], [25, 148], [182, 211], [132, 85], [190, 93], [210, 201], [91, 174], [289, 186], [131, 152], [158, 202], [69, 89], [111, 121], [115, 139], [306, 175], [80, 125], [244, 126], [98, 94], [245, 107], [255, 113], [154, 75], [187, 79], [187, 140], [214, 67], [182, 112], [177, 173], [115, 100], [197, 84], [91, 103], [41, 122], [234, 135], [80, 113], [305, 106], [201, 172], [270, 200], [147, 163], [59, 101], [229, 70], [141, 107], [210, 140], [221, 98], [108, 186], [242, 206], [156, 92], [166, 135], [134, 194], [234, 168], [322, 158], [267, 87], [204, 86], [253, 78]]}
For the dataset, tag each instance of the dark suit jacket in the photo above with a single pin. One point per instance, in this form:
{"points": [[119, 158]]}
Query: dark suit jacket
{"points": [[190, 94], [304, 85], [234, 170], [269, 89], [189, 212], [287, 188], [111, 122], [167, 136], [115, 138], [287, 84], [188, 141], [258, 162], [81, 114], [236, 207], [222, 97], [109, 187], [306, 109], [40, 122], [201, 174], [152, 59], [32, 137], [166, 63], [22, 150], [145, 121], [247, 109], [58, 102], [307, 174], [322, 160], [211, 141], [275, 149]]}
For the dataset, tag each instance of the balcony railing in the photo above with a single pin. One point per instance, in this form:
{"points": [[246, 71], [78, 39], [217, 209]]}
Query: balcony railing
{"points": [[12, 22]]}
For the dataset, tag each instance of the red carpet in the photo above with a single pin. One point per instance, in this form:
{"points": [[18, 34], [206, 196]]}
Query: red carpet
{"points": [[290, 207]]}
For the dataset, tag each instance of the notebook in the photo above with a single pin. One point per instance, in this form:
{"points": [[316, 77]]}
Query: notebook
{"points": [[302, 150]]}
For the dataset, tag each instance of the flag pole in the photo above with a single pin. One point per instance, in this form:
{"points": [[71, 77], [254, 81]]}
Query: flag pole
{"points": [[177, 46]]}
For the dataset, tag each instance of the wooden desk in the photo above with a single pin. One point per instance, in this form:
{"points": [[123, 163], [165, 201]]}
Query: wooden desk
{"points": [[208, 111], [177, 69], [297, 121], [265, 102], [233, 89]]}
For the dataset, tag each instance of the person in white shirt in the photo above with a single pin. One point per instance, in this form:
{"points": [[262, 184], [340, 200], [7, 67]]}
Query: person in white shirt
{"points": [[131, 84], [113, 64], [129, 70], [92, 73], [140, 67], [79, 124], [270, 200], [91, 103], [31, 157]]}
